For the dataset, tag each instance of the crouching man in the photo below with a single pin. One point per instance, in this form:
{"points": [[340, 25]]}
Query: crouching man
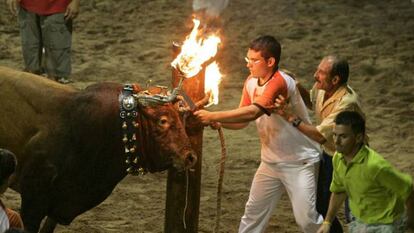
{"points": [[378, 193]]}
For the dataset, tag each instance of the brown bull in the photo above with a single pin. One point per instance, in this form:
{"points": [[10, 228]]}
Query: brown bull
{"points": [[70, 148]]}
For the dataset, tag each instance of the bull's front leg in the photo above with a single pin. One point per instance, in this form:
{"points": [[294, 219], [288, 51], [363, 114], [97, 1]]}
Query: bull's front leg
{"points": [[31, 218], [36, 183]]}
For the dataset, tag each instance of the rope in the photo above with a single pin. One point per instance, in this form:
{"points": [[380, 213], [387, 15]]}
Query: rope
{"points": [[220, 179], [219, 184], [186, 199]]}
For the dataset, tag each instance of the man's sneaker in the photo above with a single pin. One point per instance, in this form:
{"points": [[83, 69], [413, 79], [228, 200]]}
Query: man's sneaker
{"points": [[63, 80]]}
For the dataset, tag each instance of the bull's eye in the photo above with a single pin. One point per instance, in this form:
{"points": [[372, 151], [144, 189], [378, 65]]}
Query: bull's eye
{"points": [[163, 121]]}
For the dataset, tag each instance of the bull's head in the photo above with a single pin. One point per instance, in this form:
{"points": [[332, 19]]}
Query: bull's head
{"points": [[170, 142], [160, 139]]}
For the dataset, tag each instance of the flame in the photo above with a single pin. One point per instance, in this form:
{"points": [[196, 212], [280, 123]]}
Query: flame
{"points": [[212, 81], [195, 52]]}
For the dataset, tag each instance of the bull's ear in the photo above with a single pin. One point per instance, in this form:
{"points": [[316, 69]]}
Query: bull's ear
{"points": [[177, 99], [177, 103], [180, 105]]}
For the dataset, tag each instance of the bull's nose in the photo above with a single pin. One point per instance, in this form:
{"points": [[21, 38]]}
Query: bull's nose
{"points": [[190, 159]]}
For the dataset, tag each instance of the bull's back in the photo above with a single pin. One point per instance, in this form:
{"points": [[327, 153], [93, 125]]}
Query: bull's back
{"points": [[30, 85], [29, 106]]}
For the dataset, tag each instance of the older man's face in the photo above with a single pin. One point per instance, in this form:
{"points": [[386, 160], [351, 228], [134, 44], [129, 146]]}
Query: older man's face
{"points": [[322, 75]]}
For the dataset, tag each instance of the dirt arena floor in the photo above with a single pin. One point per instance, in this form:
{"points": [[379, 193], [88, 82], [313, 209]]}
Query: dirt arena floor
{"points": [[130, 41]]}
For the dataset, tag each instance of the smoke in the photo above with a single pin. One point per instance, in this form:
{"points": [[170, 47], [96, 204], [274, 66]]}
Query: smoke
{"points": [[212, 8]]}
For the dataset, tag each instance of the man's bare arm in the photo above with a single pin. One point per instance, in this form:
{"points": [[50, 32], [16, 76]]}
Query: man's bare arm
{"points": [[336, 201], [282, 108], [238, 115]]}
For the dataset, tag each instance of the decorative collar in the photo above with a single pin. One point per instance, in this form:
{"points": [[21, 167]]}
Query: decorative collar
{"points": [[129, 117]]}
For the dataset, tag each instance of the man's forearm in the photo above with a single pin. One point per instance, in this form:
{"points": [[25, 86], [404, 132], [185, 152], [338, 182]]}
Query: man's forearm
{"points": [[234, 126], [307, 129], [311, 132], [239, 115], [336, 201]]}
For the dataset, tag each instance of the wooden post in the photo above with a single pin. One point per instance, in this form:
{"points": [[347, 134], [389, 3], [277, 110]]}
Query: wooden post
{"points": [[183, 193]]}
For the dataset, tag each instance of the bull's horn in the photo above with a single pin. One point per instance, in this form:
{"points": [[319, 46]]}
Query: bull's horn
{"points": [[150, 100], [145, 99]]}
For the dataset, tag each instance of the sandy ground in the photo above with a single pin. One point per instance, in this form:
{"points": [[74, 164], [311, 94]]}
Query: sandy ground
{"points": [[130, 41]]}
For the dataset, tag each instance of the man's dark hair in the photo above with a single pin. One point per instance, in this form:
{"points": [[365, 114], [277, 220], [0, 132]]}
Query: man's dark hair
{"points": [[353, 119], [340, 67], [7, 164], [268, 47]]}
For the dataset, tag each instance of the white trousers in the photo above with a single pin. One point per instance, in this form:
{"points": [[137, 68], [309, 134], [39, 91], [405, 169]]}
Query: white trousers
{"points": [[4, 220], [268, 185]]}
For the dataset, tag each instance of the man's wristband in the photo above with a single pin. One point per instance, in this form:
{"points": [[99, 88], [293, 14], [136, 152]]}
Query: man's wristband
{"points": [[326, 223], [296, 122]]}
